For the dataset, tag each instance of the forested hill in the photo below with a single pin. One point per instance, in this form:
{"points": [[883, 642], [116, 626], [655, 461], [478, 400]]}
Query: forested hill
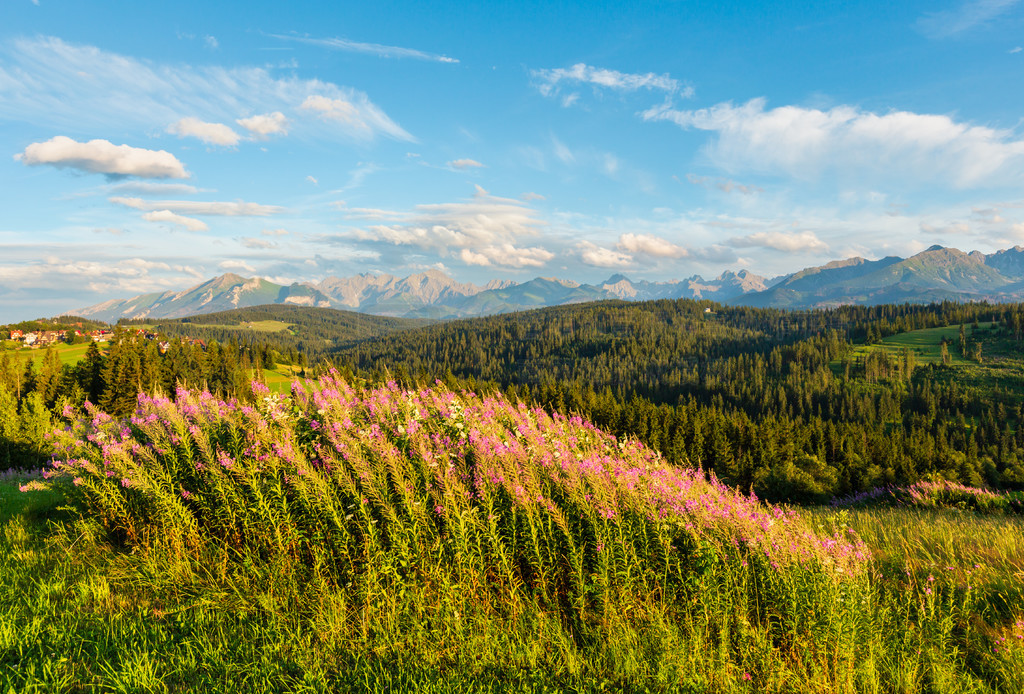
{"points": [[308, 330], [796, 405], [792, 404]]}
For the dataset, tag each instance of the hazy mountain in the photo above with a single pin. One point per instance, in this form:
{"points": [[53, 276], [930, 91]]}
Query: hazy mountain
{"points": [[933, 275], [384, 294], [218, 294]]}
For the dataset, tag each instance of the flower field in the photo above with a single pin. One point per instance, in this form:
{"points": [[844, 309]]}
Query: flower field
{"points": [[432, 540]]}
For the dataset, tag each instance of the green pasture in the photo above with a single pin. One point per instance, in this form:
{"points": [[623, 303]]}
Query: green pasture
{"points": [[68, 354], [925, 344], [279, 379], [262, 326]]}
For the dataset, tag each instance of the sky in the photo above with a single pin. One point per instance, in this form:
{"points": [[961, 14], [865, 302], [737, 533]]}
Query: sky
{"points": [[150, 146]]}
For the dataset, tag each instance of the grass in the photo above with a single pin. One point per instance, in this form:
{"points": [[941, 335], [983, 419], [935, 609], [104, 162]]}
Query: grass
{"points": [[262, 326], [924, 344], [380, 540], [68, 354]]}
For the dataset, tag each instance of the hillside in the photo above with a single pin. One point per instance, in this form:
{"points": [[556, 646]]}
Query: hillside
{"points": [[310, 330], [936, 274]]}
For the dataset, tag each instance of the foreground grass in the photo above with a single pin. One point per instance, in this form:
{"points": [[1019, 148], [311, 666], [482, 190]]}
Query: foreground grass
{"points": [[250, 584]]}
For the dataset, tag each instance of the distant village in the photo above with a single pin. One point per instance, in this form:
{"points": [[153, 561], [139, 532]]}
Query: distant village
{"points": [[43, 338]]}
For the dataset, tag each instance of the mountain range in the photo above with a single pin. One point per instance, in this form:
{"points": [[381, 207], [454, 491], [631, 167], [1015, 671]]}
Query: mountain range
{"points": [[935, 274]]}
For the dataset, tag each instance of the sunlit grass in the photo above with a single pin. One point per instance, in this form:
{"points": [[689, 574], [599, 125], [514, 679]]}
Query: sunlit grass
{"points": [[386, 540]]}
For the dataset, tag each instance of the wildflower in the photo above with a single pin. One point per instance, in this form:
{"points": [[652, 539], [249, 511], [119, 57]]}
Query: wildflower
{"points": [[747, 677]]}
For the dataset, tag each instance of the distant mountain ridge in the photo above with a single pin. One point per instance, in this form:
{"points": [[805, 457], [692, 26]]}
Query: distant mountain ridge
{"points": [[935, 274]]}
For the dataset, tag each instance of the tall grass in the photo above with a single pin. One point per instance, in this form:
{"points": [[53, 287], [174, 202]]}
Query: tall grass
{"points": [[424, 538]]}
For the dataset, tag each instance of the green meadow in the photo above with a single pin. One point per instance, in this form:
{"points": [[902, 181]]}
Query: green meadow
{"points": [[573, 562]]}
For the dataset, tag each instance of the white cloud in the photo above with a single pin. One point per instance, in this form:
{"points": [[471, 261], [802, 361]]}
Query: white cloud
{"points": [[236, 265], [359, 120], [264, 125], [128, 275], [791, 242], [1015, 49], [370, 48], [482, 231], [987, 215], [257, 243], [167, 216], [950, 229], [597, 256], [532, 196], [804, 142], [210, 133], [581, 73], [723, 184], [650, 245], [102, 156], [506, 255], [312, 179], [970, 14], [274, 232], [47, 82], [211, 42], [465, 164], [563, 153], [150, 188], [223, 209]]}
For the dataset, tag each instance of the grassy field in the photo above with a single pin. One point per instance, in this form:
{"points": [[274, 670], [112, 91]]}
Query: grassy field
{"points": [[924, 344], [68, 354], [455, 544]]}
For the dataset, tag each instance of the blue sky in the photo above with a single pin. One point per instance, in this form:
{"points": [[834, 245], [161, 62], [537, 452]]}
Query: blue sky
{"points": [[150, 146]]}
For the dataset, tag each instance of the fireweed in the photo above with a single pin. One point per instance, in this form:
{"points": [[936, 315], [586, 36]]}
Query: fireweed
{"points": [[438, 504]]}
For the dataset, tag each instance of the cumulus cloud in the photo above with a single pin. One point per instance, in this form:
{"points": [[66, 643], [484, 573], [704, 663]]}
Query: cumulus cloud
{"points": [[104, 157], [221, 209], [550, 81], [46, 81], [369, 48], [465, 164], [169, 217], [804, 142], [264, 125], [210, 133], [361, 121], [650, 245], [485, 230], [792, 242], [598, 256]]}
